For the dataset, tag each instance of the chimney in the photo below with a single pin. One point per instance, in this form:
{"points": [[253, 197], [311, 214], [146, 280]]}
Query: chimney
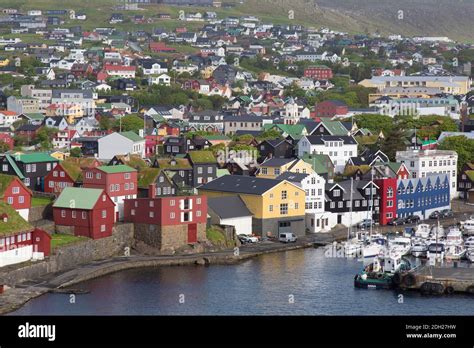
{"points": [[152, 191]]}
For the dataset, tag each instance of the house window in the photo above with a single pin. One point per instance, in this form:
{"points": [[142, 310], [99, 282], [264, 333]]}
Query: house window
{"points": [[28, 168], [276, 171], [264, 171], [199, 170], [284, 209], [98, 176], [102, 228], [132, 212], [284, 194], [16, 190], [127, 176], [198, 213], [126, 187], [104, 214], [61, 174], [27, 181], [73, 214], [152, 214], [5, 167], [390, 204], [332, 205], [55, 174], [390, 192], [10, 200], [209, 170], [112, 188], [63, 213], [172, 202], [151, 204], [51, 184], [270, 207], [21, 199], [89, 175], [198, 200], [84, 215], [336, 193]]}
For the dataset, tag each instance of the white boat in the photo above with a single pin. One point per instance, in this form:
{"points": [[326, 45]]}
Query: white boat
{"points": [[469, 243], [372, 251], [470, 255], [400, 245], [454, 237], [468, 227], [436, 251], [454, 252], [437, 231], [422, 231], [353, 248], [419, 249]]}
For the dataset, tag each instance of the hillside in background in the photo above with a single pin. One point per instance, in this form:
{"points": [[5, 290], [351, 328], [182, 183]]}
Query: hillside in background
{"points": [[453, 18]]}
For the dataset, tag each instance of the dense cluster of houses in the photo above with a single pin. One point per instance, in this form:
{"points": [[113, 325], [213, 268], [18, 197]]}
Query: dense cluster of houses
{"points": [[305, 171]]}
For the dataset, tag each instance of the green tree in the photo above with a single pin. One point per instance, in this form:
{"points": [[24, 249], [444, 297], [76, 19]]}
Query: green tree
{"points": [[44, 137], [130, 123], [76, 152], [105, 123], [462, 145], [393, 143]]}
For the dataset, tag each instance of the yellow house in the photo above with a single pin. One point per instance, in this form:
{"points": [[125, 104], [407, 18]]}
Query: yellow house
{"points": [[207, 72], [60, 155], [273, 167], [276, 205], [4, 61]]}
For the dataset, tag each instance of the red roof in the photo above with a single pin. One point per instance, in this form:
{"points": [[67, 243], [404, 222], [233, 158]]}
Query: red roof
{"points": [[119, 68]]}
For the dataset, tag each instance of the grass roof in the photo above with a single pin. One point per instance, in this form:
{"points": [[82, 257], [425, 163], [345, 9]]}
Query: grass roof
{"points": [[15, 222], [5, 181], [202, 157], [351, 170], [180, 163], [121, 168], [134, 161], [147, 176]]}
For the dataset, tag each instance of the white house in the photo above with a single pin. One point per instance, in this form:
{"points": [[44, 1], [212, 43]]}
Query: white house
{"points": [[314, 185], [152, 67], [339, 148], [230, 211], [121, 144], [162, 79]]}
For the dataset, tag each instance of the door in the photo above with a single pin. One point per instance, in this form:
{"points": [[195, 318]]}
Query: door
{"points": [[339, 219], [192, 233]]}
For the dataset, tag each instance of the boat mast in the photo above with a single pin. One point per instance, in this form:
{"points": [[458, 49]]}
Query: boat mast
{"points": [[349, 229], [371, 200]]}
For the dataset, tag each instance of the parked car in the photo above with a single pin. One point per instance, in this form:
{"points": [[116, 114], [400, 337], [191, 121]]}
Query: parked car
{"points": [[412, 219], [366, 223], [446, 213], [246, 238], [434, 215], [287, 237], [397, 221]]}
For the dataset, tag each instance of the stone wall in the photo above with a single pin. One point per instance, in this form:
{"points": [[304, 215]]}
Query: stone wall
{"points": [[64, 229], [68, 257], [167, 237], [41, 213]]}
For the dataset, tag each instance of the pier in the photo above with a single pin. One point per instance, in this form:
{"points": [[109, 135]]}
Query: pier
{"points": [[437, 280]]}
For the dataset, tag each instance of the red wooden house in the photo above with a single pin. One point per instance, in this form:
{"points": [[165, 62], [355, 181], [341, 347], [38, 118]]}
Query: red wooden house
{"points": [[330, 108], [157, 47], [19, 241], [80, 70], [119, 182], [14, 192], [88, 212], [177, 220], [67, 173]]}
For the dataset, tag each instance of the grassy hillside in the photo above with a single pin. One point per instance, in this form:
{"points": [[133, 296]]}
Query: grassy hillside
{"points": [[453, 18]]}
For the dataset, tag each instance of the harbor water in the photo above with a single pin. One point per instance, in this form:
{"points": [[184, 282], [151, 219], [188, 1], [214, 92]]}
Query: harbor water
{"points": [[302, 282]]}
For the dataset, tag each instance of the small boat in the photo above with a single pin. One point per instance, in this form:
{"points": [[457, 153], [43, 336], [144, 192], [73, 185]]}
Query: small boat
{"points": [[438, 231], [401, 245], [469, 243], [373, 250], [419, 249], [422, 231], [454, 237], [470, 255], [436, 251], [454, 252], [468, 227]]}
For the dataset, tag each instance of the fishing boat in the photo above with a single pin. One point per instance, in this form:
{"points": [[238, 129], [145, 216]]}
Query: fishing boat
{"points": [[379, 274], [422, 231], [419, 249]]}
